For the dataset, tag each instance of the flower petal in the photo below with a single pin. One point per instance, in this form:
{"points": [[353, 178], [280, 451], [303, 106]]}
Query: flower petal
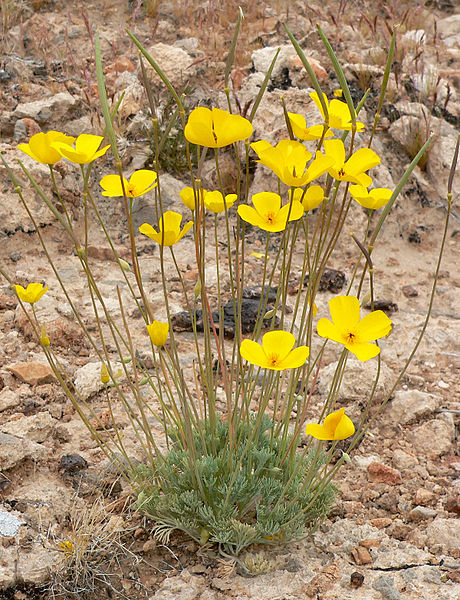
{"points": [[364, 351], [328, 330], [373, 326], [313, 197], [251, 216], [336, 150], [278, 343], [143, 181], [266, 202], [111, 184], [296, 358], [344, 312], [88, 144], [362, 160], [253, 353]]}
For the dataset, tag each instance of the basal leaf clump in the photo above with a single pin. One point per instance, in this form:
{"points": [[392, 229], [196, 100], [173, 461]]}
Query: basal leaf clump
{"points": [[259, 499]]}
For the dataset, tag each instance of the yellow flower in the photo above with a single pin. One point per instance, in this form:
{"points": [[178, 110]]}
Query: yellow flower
{"points": [[158, 333], [268, 213], [66, 546], [275, 352], [300, 129], [288, 160], [168, 229], [85, 151], [375, 198], [32, 294], [346, 327], [353, 169], [188, 196], [139, 183], [216, 128], [338, 93], [39, 146], [215, 201], [336, 426], [339, 113], [310, 198]]}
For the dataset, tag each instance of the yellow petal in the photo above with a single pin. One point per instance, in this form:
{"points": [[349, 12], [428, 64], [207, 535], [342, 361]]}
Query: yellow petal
{"points": [[88, 144], [111, 184], [266, 202], [142, 181], [328, 330], [344, 312], [363, 351], [313, 197], [336, 150], [317, 431], [296, 358], [278, 343], [253, 353], [373, 326], [314, 96], [187, 195], [148, 230], [362, 160]]}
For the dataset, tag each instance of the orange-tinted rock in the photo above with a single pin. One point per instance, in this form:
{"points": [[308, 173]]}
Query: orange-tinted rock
{"points": [[380, 473], [33, 373]]}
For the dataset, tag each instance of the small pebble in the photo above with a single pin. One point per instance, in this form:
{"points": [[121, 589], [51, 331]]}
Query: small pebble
{"points": [[443, 385], [356, 579]]}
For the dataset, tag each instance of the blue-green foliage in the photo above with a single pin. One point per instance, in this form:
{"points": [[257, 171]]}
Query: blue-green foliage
{"points": [[233, 503]]}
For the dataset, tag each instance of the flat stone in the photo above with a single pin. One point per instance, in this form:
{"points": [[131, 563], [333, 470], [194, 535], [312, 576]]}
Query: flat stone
{"points": [[36, 428], [13, 450], [419, 513], [33, 373], [380, 473], [357, 381], [433, 438], [386, 586], [445, 533], [409, 406], [9, 524], [8, 399]]}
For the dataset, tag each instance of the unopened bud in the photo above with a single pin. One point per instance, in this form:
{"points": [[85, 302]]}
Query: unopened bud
{"points": [[124, 265], [44, 339], [269, 314], [104, 373], [197, 290]]}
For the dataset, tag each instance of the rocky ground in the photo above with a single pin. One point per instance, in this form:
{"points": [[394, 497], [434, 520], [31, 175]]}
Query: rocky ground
{"points": [[393, 532]]}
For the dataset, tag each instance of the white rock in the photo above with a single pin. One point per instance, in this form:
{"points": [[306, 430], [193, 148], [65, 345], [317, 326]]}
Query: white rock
{"points": [[173, 61], [9, 524], [445, 533], [8, 399], [358, 380], [87, 379], [403, 460], [36, 428], [14, 449], [263, 57], [410, 405], [433, 438], [52, 108]]}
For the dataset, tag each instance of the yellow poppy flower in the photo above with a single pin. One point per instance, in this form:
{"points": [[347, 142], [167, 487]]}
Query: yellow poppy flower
{"points": [[216, 128], [300, 129], [139, 183], [310, 198], [158, 333], [336, 426], [346, 327], [32, 293], [168, 229], [188, 197], [353, 169], [275, 352], [215, 202], [288, 160], [268, 213], [339, 113], [39, 146], [85, 151], [375, 198]]}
